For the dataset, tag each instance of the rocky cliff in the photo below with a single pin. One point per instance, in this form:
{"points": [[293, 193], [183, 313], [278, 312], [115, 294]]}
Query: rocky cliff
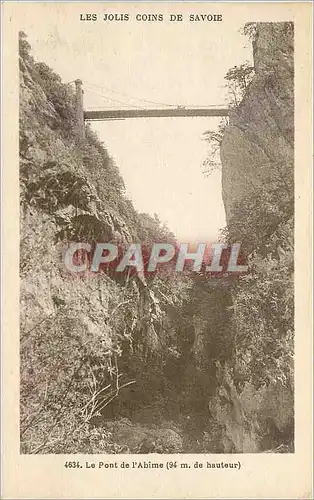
{"points": [[169, 364], [258, 146], [109, 362], [84, 338], [254, 401]]}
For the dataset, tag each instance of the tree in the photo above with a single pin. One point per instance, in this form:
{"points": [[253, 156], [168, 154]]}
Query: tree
{"points": [[24, 47], [250, 30], [238, 79], [214, 138]]}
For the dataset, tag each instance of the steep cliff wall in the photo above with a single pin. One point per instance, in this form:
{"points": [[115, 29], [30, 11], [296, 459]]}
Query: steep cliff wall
{"points": [[84, 338], [254, 402], [108, 363], [257, 148]]}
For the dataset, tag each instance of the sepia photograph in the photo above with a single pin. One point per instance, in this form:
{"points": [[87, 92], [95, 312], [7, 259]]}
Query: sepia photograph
{"points": [[156, 236], [157, 254]]}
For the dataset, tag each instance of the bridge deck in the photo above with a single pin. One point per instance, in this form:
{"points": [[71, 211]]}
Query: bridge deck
{"points": [[154, 113]]}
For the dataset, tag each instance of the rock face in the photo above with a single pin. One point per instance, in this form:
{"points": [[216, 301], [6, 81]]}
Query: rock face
{"points": [[254, 403], [167, 345], [73, 327], [258, 144]]}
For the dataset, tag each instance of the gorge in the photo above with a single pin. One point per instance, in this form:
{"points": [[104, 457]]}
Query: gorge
{"points": [[176, 363]]}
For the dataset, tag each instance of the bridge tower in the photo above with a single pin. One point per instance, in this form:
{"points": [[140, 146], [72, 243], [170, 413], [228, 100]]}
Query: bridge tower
{"points": [[79, 110]]}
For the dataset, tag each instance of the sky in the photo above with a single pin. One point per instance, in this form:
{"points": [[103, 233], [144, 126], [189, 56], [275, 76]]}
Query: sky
{"points": [[160, 159]]}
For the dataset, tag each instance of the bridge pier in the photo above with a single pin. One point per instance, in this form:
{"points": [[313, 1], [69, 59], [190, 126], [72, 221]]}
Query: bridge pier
{"points": [[79, 110]]}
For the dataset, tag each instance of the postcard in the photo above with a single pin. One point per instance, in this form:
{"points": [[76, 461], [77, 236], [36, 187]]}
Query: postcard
{"points": [[157, 299]]}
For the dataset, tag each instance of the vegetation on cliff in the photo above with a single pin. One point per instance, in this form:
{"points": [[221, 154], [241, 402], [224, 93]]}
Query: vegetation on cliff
{"points": [[171, 363], [101, 356], [257, 159]]}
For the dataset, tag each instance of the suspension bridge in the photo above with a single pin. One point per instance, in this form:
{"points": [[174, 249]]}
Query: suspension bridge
{"points": [[118, 113]]}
